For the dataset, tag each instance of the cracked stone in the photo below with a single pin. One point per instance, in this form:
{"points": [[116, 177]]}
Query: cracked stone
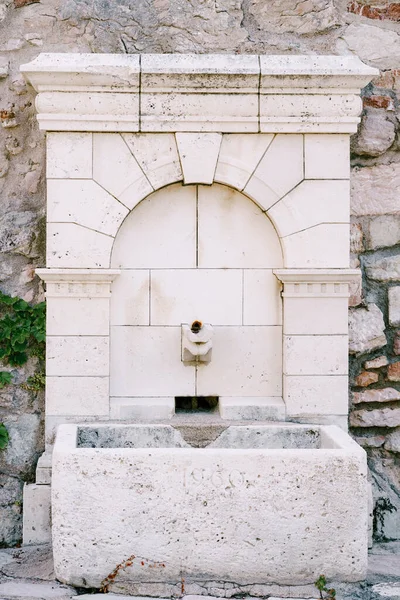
{"points": [[34, 39], [178, 26], [284, 16], [366, 329]]}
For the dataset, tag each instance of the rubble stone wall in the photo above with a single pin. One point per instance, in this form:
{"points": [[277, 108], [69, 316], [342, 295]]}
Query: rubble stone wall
{"points": [[368, 28]]}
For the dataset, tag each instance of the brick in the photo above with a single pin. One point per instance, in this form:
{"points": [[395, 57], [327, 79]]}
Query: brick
{"points": [[394, 372], [379, 102], [390, 12], [385, 80], [21, 3]]}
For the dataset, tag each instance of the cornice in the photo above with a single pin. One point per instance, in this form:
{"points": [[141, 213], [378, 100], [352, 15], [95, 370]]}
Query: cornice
{"points": [[187, 92]]}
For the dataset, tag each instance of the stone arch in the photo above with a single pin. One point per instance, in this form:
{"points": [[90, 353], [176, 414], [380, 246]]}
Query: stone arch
{"points": [[186, 253]]}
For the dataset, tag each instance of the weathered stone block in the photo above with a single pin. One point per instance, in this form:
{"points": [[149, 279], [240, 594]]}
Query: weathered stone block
{"points": [[393, 441], [203, 497], [376, 46], [384, 269], [393, 373], [366, 329], [376, 363], [380, 417], [376, 134], [366, 378], [304, 18], [394, 305], [383, 231], [36, 518], [384, 395], [381, 198]]}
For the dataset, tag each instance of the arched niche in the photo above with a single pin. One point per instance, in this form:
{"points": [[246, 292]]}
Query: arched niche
{"points": [[190, 253]]}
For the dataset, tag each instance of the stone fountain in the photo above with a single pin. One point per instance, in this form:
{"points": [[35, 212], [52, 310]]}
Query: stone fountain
{"points": [[198, 248]]}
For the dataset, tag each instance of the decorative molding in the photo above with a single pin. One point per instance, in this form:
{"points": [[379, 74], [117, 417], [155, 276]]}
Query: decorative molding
{"points": [[208, 93], [78, 283], [316, 283]]}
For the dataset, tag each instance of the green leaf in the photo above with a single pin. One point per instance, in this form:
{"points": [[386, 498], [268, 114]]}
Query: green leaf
{"points": [[17, 359], [5, 378], [3, 436]]}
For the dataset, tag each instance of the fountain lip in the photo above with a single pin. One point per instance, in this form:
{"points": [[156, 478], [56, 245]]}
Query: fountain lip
{"points": [[249, 438]]}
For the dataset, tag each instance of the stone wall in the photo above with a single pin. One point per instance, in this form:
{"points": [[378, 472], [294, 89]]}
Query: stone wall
{"points": [[369, 28]]}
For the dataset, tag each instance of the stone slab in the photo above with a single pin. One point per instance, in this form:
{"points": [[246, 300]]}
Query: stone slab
{"points": [[30, 562], [26, 588], [36, 515]]}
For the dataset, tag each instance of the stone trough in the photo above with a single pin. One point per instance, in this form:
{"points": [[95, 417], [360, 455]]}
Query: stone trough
{"points": [[260, 504]]}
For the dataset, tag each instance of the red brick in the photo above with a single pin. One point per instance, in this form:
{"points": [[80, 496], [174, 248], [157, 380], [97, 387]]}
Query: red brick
{"points": [[385, 80], [379, 102], [390, 12], [20, 3], [394, 372], [393, 12]]}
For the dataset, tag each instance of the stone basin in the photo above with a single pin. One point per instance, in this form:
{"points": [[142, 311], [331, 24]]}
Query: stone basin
{"points": [[275, 503]]}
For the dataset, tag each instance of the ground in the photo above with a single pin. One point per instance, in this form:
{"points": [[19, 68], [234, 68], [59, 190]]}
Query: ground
{"points": [[27, 573]]}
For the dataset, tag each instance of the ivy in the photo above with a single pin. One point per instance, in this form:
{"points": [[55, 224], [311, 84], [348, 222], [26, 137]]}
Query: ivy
{"points": [[22, 334], [3, 436]]}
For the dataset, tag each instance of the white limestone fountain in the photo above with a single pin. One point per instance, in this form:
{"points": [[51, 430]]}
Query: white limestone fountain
{"points": [[184, 192]]}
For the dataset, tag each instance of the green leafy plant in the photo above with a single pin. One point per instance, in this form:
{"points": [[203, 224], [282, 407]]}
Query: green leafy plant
{"points": [[320, 584], [35, 382], [5, 378], [22, 334], [3, 436]]}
